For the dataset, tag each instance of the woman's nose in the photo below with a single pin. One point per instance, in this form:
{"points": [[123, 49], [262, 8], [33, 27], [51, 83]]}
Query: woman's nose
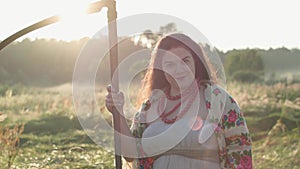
{"points": [[181, 67]]}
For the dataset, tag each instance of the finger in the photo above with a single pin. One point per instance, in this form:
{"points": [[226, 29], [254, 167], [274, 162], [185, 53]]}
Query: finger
{"points": [[113, 89], [121, 95], [108, 88], [109, 96], [114, 100], [117, 96], [111, 102]]}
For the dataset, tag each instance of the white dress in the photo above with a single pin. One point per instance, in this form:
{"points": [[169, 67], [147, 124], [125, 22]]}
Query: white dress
{"points": [[188, 142]]}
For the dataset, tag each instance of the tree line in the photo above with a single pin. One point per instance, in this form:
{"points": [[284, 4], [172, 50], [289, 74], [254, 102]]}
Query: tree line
{"points": [[51, 62]]}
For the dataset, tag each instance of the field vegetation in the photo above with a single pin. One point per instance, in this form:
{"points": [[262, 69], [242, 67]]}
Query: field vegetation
{"points": [[49, 135]]}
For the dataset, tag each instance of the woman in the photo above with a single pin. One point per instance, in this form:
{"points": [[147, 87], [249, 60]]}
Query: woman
{"points": [[186, 120]]}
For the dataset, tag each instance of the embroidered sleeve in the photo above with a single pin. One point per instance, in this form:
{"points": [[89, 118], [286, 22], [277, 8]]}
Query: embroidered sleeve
{"points": [[138, 126], [139, 120], [237, 138]]}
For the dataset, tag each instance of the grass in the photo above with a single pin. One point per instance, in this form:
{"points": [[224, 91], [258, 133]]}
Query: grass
{"points": [[72, 149], [54, 138], [281, 151]]}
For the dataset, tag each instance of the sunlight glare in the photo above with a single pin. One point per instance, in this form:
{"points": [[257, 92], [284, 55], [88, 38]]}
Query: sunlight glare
{"points": [[75, 22], [73, 10]]}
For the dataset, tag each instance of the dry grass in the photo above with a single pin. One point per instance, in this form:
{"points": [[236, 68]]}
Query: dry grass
{"points": [[50, 119]]}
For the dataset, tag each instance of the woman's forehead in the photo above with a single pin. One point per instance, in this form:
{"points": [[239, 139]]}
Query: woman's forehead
{"points": [[176, 53]]}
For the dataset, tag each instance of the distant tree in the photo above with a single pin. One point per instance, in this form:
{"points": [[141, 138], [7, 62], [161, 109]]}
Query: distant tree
{"points": [[149, 37], [246, 76], [244, 61], [169, 28], [4, 75]]}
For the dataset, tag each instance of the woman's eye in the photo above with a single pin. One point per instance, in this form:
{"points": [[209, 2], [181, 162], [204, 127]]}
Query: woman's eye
{"points": [[169, 65], [186, 60]]}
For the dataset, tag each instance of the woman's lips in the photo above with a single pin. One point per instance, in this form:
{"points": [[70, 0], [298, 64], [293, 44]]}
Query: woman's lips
{"points": [[180, 78]]}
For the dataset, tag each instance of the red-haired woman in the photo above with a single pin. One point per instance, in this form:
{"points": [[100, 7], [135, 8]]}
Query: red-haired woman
{"points": [[186, 119]]}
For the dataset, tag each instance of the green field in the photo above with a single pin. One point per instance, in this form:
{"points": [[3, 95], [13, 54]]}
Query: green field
{"points": [[54, 138]]}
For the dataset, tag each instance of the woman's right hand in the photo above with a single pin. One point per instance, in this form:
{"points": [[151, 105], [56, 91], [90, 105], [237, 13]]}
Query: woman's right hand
{"points": [[114, 100]]}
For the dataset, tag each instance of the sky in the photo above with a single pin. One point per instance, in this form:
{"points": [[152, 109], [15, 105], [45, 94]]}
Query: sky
{"points": [[230, 24]]}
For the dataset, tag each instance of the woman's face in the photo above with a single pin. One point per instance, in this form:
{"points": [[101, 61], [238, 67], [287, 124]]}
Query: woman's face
{"points": [[179, 68]]}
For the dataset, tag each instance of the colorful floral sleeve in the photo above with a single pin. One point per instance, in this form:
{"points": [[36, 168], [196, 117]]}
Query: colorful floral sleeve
{"points": [[138, 126], [237, 138], [139, 121]]}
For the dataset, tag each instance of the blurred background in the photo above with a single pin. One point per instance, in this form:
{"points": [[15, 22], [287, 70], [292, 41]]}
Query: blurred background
{"points": [[257, 42]]}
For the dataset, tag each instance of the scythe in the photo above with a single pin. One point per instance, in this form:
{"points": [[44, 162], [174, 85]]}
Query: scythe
{"points": [[113, 39]]}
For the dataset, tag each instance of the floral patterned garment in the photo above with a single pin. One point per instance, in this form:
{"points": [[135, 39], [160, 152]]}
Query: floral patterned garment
{"points": [[231, 130]]}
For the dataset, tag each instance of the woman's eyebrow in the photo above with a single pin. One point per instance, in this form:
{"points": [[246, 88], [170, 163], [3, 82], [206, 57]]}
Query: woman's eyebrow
{"points": [[171, 61], [168, 61], [185, 57]]}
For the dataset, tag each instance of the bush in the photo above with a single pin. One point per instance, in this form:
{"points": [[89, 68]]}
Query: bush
{"points": [[10, 90], [246, 76], [52, 124], [9, 144]]}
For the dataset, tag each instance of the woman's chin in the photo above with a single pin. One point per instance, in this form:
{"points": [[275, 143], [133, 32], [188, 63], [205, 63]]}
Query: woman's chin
{"points": [[183, 85]]}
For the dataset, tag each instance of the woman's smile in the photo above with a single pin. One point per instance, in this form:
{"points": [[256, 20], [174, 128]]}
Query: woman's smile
{"points": [[179, 67]]}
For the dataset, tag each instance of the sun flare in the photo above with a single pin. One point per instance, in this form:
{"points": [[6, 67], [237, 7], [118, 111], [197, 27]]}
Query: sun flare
{"points": [[75, 22], [73, 10]]}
